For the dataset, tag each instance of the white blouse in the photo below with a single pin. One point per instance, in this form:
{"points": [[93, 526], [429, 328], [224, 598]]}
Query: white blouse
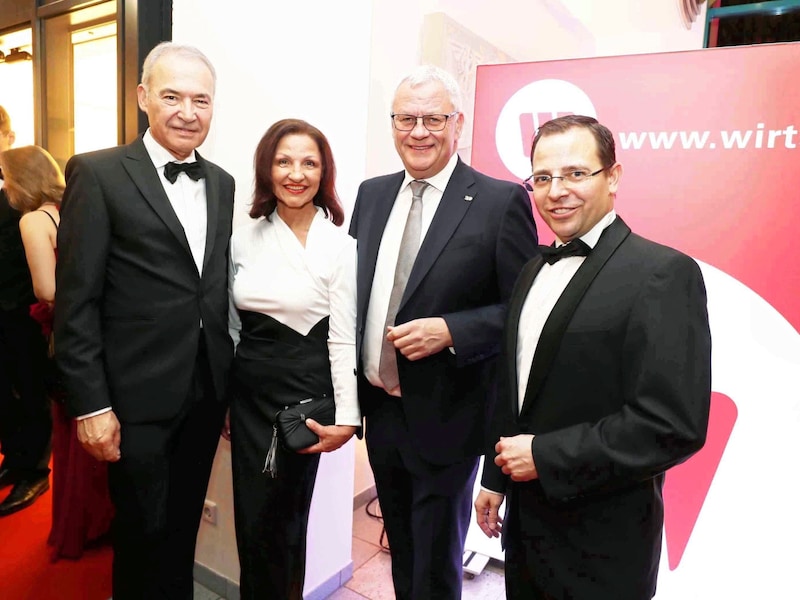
{"points": [[272, 273]]}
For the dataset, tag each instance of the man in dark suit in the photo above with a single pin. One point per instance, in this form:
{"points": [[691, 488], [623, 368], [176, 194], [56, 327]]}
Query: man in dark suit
{"points": [[25, 422], [141, 320], [605, 383], [427, 345]]}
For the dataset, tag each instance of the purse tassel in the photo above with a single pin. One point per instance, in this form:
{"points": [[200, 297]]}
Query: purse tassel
{"points": [[271, 463]]}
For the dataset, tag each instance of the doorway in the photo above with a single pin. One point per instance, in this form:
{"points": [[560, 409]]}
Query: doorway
{"points": [[80, 81], [16, 83]]}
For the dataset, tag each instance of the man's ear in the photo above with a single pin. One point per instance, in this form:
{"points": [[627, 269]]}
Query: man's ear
{"points": [[614, 176], [141, 97], [11, 138]]}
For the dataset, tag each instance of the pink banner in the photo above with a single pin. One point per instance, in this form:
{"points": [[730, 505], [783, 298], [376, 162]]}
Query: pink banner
{"points": [[709, 145]]}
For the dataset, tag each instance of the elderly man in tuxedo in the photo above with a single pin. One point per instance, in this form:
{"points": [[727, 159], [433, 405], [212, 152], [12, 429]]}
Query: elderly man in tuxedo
{"points": [[141, 320], [439, 247], [605, 383]]}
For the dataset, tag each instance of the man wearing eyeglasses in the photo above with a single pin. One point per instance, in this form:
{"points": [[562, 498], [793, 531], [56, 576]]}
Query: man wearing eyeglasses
{"points": [[605, 382], [439, 248]]}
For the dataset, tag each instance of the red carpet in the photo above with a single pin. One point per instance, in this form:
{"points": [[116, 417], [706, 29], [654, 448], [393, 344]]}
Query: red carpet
{"points": [[26, 572]]}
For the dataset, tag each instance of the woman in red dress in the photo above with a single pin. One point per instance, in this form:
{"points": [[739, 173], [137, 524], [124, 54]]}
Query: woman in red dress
{"points": [[82, 510]]}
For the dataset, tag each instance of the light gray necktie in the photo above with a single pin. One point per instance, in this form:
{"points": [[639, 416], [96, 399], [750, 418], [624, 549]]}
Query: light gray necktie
{"points": [[409, 246]]}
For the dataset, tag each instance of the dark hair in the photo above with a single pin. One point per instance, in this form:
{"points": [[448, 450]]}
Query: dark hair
{"points": [[264, 200], [602, 135]]}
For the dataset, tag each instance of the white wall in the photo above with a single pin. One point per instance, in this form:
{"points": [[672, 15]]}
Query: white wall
{"points": [[336, 64], [524, 30]]}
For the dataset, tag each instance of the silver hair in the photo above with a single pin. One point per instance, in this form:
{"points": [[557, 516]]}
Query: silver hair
{"points": [[427, 73], [171, 48]]}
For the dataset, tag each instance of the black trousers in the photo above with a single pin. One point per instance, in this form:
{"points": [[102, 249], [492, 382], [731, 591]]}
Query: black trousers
{"points": [[25, 417], [270, 515], [426, 508], [158, 489], [521, 581]]}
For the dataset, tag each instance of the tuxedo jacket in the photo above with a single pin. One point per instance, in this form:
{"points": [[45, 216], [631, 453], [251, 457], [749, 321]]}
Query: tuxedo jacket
{"points": [[130, 300], [480, 237], [619, 392]]}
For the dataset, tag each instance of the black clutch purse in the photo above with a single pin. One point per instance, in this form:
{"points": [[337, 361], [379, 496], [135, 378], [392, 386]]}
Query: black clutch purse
{"points": [[290, 427], [291, 421]]}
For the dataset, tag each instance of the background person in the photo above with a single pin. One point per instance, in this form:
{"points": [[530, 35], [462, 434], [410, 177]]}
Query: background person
{"points": [[141, 321], [430, 315], [606, 384], [292, 293], [25, 422], [82, 510], [35, 185]]}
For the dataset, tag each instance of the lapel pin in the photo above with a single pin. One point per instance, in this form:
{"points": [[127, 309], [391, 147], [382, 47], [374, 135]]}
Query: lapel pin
{"points": [[468, 198]]}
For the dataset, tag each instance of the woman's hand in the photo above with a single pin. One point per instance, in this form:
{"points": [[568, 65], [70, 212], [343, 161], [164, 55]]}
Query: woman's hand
{"points": [[331, 437]]}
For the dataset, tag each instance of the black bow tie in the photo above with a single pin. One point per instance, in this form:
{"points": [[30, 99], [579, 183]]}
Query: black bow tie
{"points": [[576, 247], [192, 169]]}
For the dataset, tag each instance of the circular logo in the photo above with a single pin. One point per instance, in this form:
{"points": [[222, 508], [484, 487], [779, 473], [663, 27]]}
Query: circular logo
{"points": [[526, 110]]}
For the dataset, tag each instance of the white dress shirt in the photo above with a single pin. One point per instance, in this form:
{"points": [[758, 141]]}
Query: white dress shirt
{"points": [[383, 281], [273, 274], [187, 197], [547, 287]]}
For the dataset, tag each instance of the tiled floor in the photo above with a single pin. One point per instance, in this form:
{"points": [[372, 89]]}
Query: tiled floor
{"points": [[371, 570]]}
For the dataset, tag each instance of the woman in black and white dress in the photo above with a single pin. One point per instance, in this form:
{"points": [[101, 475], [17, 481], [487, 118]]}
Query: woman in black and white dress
{"points": [[292, 317]]}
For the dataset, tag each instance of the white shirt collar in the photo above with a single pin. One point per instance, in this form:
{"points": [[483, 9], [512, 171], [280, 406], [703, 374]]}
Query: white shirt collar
{"points": [[160, 155], [441, 179], [593, 235]]}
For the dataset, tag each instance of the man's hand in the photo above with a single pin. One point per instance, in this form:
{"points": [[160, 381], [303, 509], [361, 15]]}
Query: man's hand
{"points": [[486, 506], [421, 337], [100, 436], [331, 437], [515, 457]]}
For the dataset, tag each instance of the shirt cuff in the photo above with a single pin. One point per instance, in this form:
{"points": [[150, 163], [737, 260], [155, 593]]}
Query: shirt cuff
{"points": [[93, 414]]}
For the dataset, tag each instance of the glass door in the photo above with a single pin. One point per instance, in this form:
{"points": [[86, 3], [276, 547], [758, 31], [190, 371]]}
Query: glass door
{"points": [[80, 77], [94, 84], [16, 83]]}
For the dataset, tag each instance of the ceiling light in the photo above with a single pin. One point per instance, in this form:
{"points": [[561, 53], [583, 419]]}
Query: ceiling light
{"points": [[18, 54]]}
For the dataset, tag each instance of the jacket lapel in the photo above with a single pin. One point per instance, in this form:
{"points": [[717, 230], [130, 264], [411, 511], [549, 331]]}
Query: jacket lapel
{"points": [[515, 303], [369, 244], [141, 170], [452, 208], [565, 307], [212, 206]]}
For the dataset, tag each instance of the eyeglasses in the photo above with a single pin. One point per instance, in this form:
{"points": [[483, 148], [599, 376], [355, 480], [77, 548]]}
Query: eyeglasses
{"points": [[569, 180], [430, 122]]}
